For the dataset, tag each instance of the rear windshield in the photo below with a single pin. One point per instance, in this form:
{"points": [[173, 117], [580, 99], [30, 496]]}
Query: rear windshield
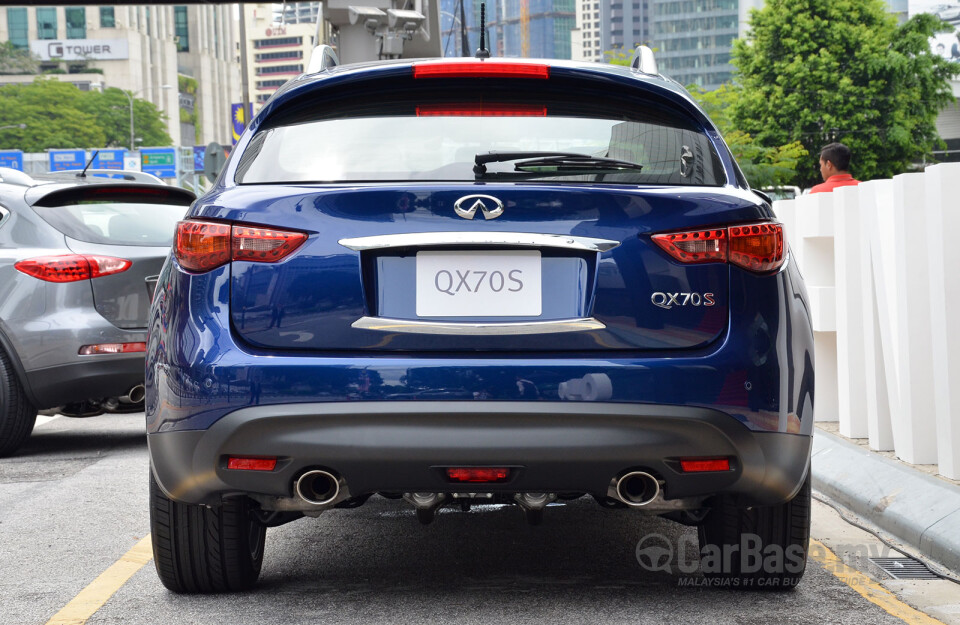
{"points": [[115, 223], [436, 136]]}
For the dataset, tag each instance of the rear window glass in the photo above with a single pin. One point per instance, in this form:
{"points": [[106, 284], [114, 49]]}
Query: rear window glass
{"points": [[436, 136], [115, 223]]}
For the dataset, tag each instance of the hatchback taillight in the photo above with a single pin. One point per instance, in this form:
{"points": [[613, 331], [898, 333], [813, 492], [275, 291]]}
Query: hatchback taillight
{"points": [[72, 267], [204, 245], [755, 246]]}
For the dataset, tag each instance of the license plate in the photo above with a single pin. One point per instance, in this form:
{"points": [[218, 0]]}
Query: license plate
{"points": [[478, 284]]}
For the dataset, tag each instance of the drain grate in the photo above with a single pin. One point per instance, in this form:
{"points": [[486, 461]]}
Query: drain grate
{"points": [[904, 568]]}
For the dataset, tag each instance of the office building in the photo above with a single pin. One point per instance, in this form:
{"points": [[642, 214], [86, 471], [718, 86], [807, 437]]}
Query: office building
{"points": [[276, 52], [514, 28], [609, 26], [297, 12], [694, 39], [141, 49]]}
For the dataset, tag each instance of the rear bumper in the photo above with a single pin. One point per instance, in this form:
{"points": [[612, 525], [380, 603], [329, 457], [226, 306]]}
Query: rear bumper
{"points": [[401, 446], [95, 378]]}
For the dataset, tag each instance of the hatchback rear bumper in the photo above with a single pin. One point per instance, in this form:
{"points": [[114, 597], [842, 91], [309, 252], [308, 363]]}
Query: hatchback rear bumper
{"points": [[403, 446], [98, 377]]}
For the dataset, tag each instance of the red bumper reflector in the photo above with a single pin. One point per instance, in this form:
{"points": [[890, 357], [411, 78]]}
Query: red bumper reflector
{"points": [[481, 110], [480, 69], [703, 465], [113, 348], [251, 464], [478, 474]]}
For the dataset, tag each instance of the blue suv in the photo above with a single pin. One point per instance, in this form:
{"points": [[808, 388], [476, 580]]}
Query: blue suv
{"points": [[455, 281]]}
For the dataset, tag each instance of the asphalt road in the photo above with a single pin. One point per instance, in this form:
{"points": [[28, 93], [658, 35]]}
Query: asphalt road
{"points": [[74, 501]]}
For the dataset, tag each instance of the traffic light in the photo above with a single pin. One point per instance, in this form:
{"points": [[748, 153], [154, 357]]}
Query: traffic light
{"points": [[214, 158]]}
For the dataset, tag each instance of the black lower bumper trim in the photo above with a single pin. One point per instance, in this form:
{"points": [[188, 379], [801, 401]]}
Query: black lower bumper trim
{"points": [[93, 379], [558, 447]]}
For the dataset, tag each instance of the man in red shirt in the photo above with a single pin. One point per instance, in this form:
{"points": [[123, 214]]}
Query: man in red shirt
{"points": [[834, 163]]}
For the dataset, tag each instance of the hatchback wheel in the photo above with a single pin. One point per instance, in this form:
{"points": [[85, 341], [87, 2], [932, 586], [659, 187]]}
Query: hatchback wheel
{"points": [[197, 549], [17, 414], [761, 547]]}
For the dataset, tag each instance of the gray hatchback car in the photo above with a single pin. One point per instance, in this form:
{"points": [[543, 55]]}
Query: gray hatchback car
{"points": [[79, 256]]}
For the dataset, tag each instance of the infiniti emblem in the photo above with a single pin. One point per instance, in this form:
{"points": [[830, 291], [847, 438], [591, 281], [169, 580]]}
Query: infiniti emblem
{"points": [[467, 206]]}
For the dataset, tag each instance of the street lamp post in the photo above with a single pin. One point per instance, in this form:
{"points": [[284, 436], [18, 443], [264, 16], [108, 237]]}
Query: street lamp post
{"points": [[130, 99]]}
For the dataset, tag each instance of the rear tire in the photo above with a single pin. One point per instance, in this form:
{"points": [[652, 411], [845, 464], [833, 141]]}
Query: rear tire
{"points": [[205, 550], [763, 548], [17, 414]]}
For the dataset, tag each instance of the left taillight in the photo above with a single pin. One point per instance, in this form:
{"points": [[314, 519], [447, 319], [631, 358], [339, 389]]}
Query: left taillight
{"points": [[204, 245], [757, 246], [72, 267]]}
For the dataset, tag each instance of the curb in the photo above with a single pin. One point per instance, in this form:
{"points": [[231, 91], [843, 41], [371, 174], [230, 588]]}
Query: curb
{"points": [[918, 509]]}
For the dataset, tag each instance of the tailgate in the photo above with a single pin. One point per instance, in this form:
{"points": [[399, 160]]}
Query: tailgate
{"points": [[558, 270]]}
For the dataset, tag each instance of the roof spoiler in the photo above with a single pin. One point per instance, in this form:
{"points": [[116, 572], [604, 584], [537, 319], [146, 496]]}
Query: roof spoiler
{"points": [[117, 191], [117, 174], [643, 61], [323, 57], [15, 176]]}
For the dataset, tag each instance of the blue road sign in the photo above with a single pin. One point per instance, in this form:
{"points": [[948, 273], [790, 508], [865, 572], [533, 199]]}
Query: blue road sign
{"points": [[109, 159], [11, 158], [198, 152], [62, 160], [161, 162]]}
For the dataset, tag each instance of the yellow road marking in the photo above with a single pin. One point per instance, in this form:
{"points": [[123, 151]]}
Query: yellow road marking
{"points": [[94, 596], [868, 589], [107, 583]]}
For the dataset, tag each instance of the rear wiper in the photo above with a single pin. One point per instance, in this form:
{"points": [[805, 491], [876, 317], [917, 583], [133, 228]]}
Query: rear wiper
{"points": [[552, 162]]}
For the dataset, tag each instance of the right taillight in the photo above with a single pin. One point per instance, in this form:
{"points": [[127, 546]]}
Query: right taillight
{"points": [[757, 246], [206, 245]]}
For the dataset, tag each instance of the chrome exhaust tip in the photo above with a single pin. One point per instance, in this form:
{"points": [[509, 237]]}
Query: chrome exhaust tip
{"points": [[317, 487], [135, 395], [637, 488]]}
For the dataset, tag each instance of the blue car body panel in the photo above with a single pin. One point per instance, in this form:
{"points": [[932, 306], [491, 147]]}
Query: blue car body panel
{"points": [[249, 336]]}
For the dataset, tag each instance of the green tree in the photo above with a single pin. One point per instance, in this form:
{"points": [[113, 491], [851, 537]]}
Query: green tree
{"points": [[58, 115], [16, 61], [617, 57], [763, 166], [52, 113], [112, 110], [818, 71]]}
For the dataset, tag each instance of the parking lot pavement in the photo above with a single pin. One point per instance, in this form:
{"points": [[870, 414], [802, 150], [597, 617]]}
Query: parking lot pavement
{"points": [[74, 502]]}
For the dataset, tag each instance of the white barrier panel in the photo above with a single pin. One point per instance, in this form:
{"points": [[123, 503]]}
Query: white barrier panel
{"points": [[851, 364], [882, 268], [809, 221], [914, 427], [943, 224], [876, 400]]}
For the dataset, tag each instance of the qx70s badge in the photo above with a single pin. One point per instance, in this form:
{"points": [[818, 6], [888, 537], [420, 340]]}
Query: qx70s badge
{"points": [[467, 206], [669, 300]]}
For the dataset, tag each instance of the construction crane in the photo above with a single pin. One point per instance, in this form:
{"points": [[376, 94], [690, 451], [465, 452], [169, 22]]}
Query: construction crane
{"points": [[524, 28]]}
